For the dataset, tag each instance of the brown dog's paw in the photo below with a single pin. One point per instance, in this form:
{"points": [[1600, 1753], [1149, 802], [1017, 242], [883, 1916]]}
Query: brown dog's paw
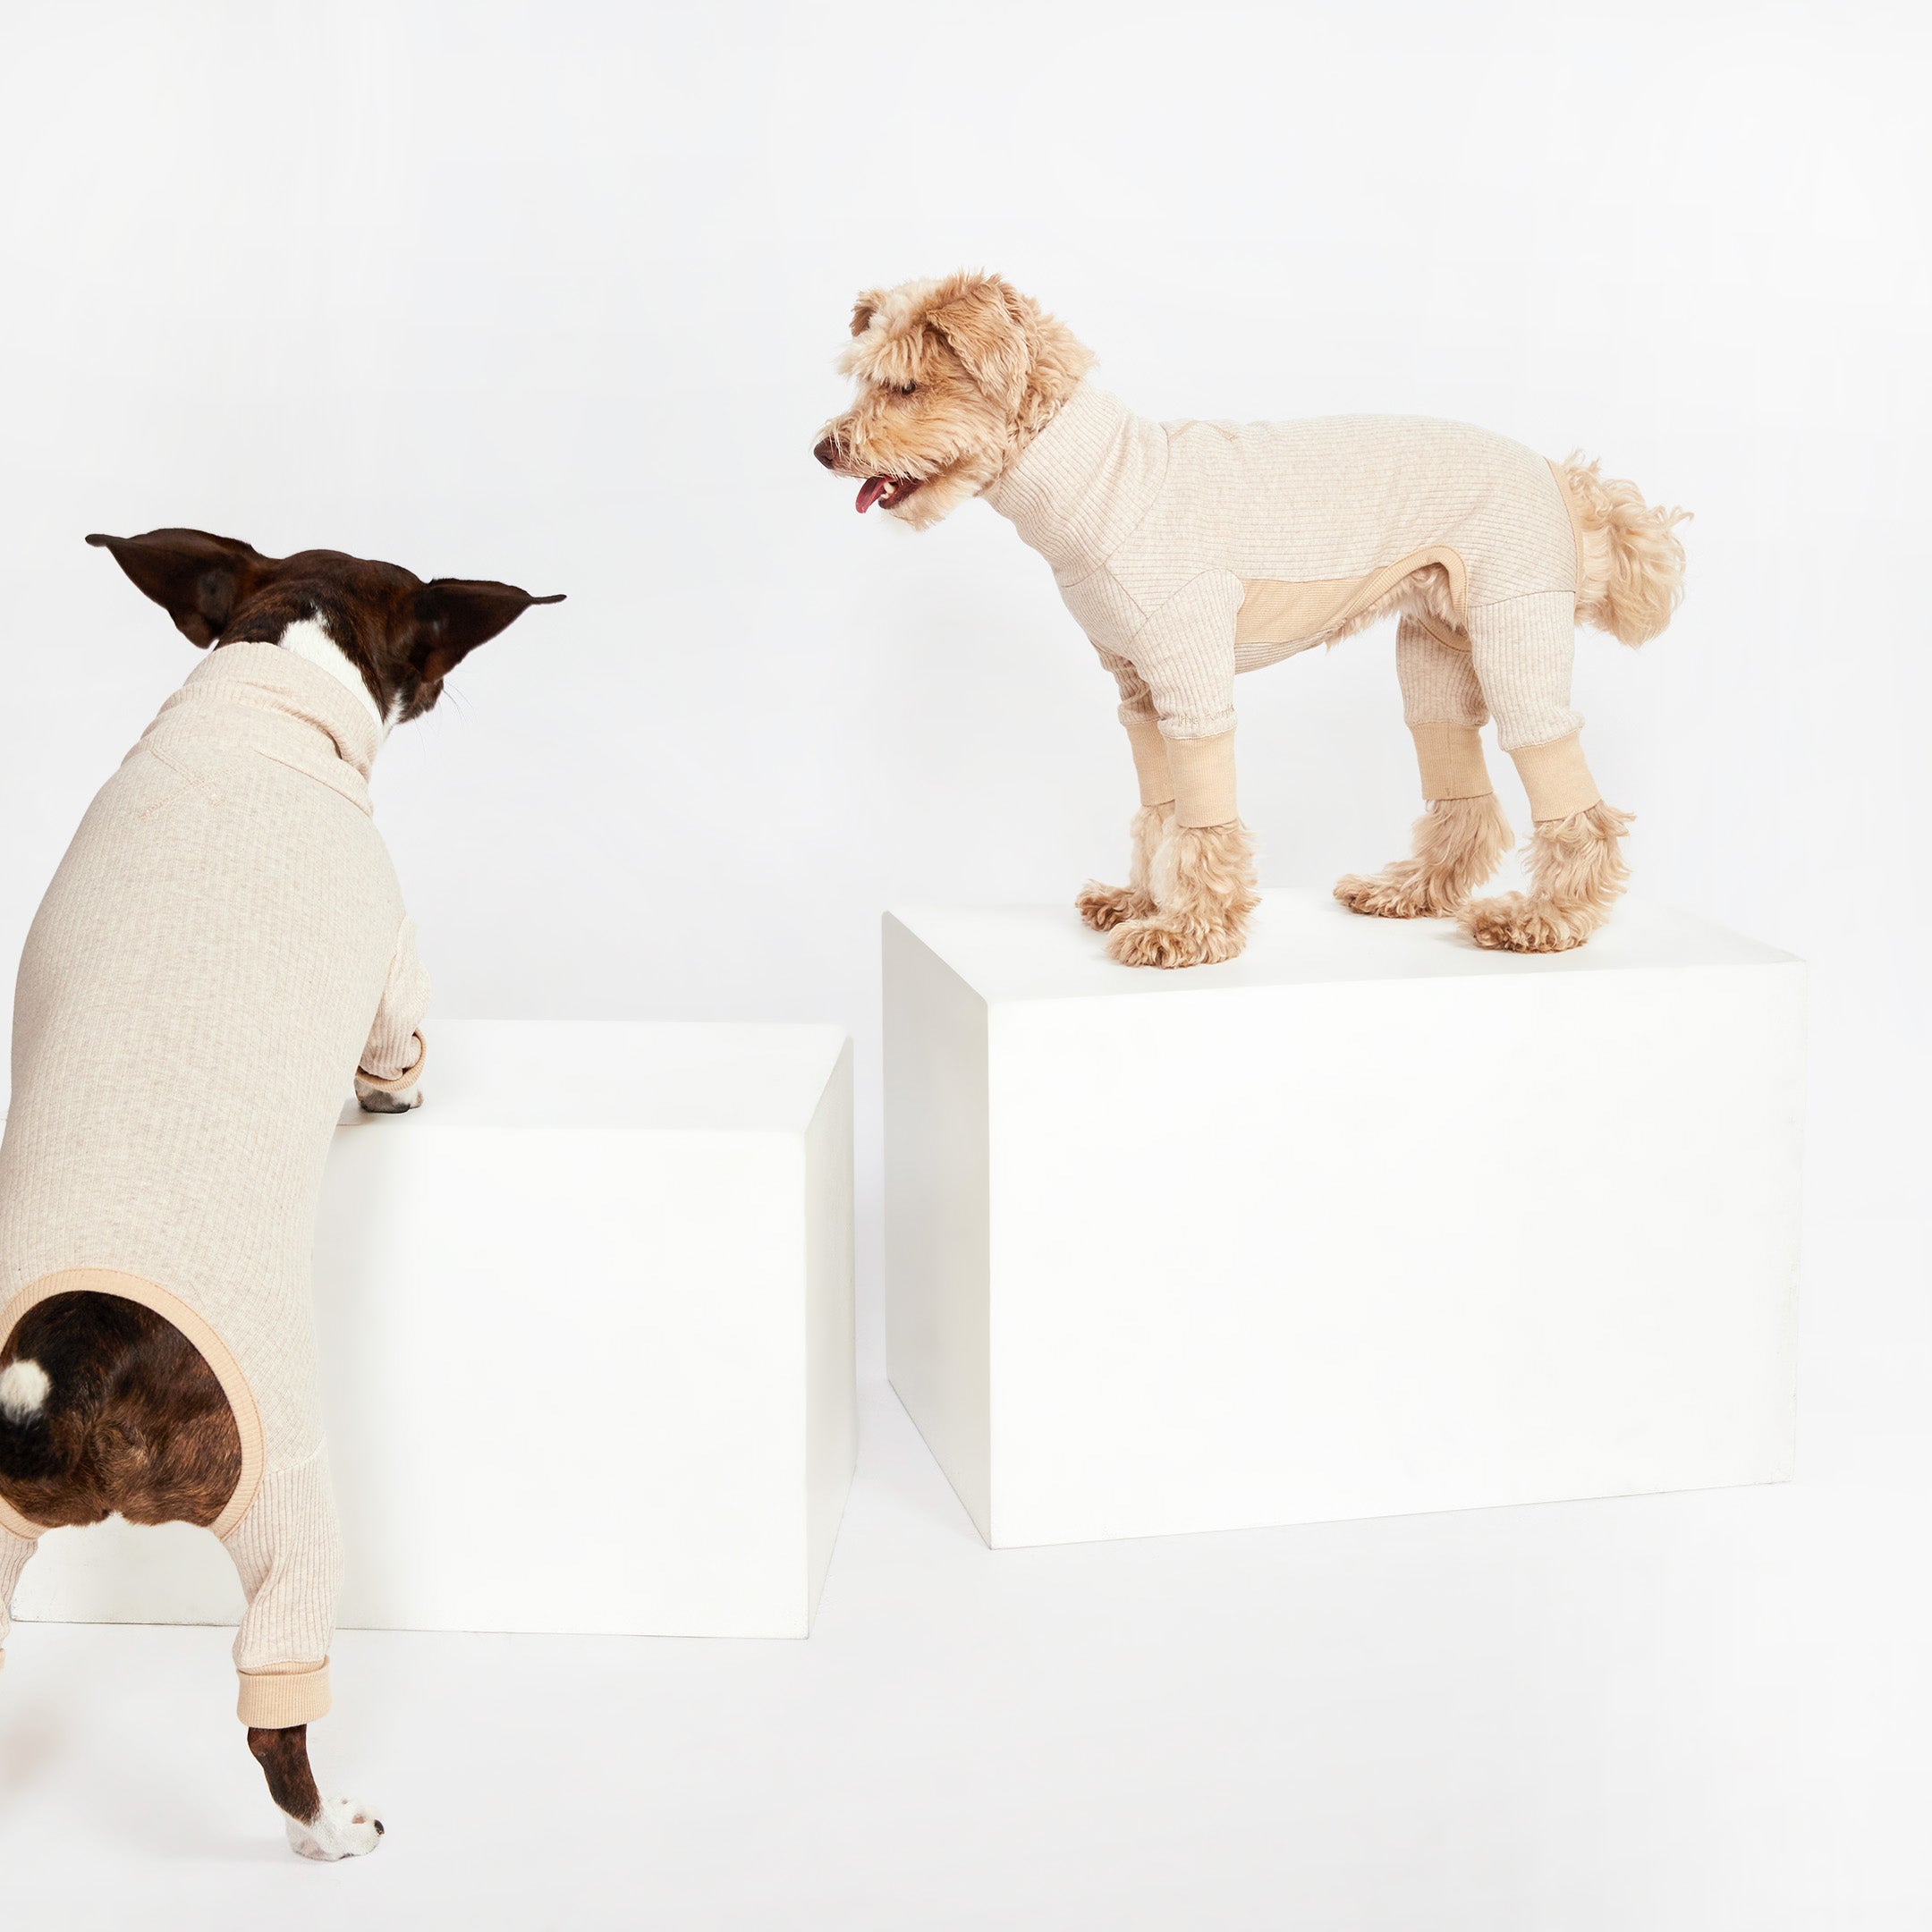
{"points": [[1516, 924], [380, 1100], [1105, 907], [1147, 942], [1404, 891]]}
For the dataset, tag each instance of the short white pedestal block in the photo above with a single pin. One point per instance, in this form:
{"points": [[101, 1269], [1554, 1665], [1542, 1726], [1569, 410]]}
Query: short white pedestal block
{"points": [[1365, 1221], [587, 1333]]}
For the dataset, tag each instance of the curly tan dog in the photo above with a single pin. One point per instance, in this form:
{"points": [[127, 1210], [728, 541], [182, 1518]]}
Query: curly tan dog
{"points": [[1192, 551]]}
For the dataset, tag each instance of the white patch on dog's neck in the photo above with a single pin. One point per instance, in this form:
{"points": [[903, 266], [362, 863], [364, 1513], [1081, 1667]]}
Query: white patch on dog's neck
{"points": [[309, 638]]}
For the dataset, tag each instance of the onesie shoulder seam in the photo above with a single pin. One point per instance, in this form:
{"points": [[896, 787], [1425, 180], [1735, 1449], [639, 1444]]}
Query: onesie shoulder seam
{"points": [[1520, 597]]}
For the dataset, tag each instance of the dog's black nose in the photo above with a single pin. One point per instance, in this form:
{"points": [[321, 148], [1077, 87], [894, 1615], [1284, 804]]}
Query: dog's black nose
{"points": [[826, 452]]}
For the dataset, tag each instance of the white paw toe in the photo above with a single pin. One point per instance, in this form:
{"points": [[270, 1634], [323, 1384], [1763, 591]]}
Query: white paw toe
{"points": [[345, 1829]]}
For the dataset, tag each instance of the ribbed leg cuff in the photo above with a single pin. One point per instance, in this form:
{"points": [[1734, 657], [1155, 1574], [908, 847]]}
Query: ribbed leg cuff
{"points": [[397, 1082], [1204, 779], [277, 1700], [1150, 760], [1451, 761], [1557, 780]]}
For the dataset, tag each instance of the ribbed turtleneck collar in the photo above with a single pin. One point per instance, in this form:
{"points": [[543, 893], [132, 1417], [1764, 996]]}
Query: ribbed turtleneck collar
{"points": [[1077, 490], [271, 679], [281, 706]]}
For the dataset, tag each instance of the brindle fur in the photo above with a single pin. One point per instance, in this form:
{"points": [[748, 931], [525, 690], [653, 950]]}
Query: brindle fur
{"points": [[135, 1421], [284, 1756]]}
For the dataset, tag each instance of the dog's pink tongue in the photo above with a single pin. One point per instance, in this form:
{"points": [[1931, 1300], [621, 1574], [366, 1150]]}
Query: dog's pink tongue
{"points": [[871, 491]]}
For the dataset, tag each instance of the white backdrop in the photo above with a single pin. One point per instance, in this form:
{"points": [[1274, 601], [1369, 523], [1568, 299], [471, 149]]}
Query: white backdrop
{"points": [[552, 293]]}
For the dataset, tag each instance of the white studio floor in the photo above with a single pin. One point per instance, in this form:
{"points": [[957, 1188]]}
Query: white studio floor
{"points": [[1695, 1712]]}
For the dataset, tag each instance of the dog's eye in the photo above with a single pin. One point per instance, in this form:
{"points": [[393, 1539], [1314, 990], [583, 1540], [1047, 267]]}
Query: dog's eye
{"points": [[906, 388]]}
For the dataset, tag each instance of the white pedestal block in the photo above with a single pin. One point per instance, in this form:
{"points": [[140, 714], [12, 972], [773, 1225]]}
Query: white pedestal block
{"points": [[1365, 1221], [586, 1332]]}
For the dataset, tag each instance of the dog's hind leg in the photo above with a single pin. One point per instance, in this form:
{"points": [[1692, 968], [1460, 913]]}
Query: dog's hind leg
{"points": [[1523, 648], [320, 1829], [23, 1393], [1576, 873], [288, 1550], [1105, 907], [14, 1553], [1462, 832]]}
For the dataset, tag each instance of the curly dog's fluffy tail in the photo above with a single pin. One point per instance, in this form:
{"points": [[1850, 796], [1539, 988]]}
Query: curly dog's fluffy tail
{"points": [[1633, 563]]}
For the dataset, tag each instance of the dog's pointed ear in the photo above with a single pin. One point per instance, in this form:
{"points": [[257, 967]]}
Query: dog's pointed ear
{"points": [[867, 306], [985, 325], [198, 579], [454, 615]]}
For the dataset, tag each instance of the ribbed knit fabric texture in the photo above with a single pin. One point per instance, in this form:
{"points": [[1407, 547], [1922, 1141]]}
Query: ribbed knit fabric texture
{"points": [[222, 943], [288, 1552], [1158, 533], [15, 1551], [1524, 649], [392, 1048], [1438, 683], [1137, 701]]}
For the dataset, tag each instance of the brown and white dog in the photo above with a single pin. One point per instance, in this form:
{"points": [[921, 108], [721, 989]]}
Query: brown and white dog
{"points": [[1190, 552], [222, 955]]}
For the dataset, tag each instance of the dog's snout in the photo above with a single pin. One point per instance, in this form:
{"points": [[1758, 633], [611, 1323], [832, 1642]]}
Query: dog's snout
{"points": [[827, 452]]}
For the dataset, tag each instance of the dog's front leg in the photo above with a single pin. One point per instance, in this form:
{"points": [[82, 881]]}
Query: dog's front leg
{"points": [[1202, 876], [399, 1094], [1105, 907], [389, 1075]]}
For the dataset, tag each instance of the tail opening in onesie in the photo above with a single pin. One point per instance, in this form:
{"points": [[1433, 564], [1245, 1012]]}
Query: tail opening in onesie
{"points": [[106, 1408]]}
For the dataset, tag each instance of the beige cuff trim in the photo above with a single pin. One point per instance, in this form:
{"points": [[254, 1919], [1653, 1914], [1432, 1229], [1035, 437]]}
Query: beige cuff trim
{"points": [[396, 1082], [1151, 760], [278, 1701], [1556, 779], [213, 1350], [1204, 779], [1451, 761], [16, 1524]]}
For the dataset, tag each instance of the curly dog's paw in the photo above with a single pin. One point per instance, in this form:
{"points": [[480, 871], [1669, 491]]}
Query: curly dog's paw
{"points": [[1404, 891], [1516, 924], [1105, 907], [1152, 941]]}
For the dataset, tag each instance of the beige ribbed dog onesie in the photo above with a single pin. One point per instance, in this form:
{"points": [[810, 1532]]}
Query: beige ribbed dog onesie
{"points": [[1190, 552], [222, 943]]}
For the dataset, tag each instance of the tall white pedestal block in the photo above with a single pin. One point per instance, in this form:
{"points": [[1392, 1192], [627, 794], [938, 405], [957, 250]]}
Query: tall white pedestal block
{"points": [[585, 1322], [1363, 1223]]}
